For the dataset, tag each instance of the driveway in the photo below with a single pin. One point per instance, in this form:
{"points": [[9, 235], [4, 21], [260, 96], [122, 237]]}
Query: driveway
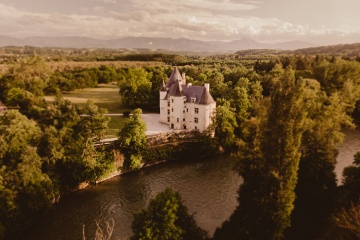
{"points": [[153, 124]]}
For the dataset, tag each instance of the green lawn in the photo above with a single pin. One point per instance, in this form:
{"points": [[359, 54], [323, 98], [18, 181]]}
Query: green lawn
{"points": [[105, 96]]}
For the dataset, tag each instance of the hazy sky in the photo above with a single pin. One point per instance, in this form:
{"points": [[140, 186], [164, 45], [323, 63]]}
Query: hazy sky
{"points": [[317, 21]]}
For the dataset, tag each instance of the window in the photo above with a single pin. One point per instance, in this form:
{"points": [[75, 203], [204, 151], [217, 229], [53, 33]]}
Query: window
{"points": [[195, 127], [187, 110], [168, 119], [193, 100], [177, 120], [196, 110], [168, 111], [183, 111], [196, 120], [172, 110], [183, 119], [184, 126], [168, 103], [172, 100]]}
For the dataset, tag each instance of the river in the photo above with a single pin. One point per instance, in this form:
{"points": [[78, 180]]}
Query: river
{"points": [[208, 188]]}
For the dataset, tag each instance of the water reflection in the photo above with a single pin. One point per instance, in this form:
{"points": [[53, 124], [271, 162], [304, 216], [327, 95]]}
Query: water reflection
{"points": [[208, 187], [347, 150]]}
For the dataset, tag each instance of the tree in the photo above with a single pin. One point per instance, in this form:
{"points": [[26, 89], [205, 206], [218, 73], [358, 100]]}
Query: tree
{"points": [[25, 189], [135, 87], [349, 220], [316, 186], [31, 74], [166, 218], [270, 162], [132, 139], [225, 123]]}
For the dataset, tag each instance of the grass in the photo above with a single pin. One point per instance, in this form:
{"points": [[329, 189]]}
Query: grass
{"points": [[115, 124], [104, 96]]}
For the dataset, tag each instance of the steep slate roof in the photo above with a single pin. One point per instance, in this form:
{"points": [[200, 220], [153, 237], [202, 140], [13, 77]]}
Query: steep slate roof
{"points": [[175, 89], [163, 87], [174, 75], [206, 97]]}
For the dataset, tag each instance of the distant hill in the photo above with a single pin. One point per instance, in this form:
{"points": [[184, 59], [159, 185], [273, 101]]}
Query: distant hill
{"points": [[178, 44], [347, 50], [344, 50]]}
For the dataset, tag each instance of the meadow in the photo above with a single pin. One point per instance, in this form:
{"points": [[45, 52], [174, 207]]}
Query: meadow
{"points": [[104, 96]]}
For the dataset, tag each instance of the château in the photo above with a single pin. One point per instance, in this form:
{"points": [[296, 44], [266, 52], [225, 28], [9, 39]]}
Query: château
{"points": [[183, 106]]}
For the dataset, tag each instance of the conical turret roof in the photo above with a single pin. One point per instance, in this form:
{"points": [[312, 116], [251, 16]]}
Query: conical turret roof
{"points": [[206, 97], [177, 90], [174, 75]]}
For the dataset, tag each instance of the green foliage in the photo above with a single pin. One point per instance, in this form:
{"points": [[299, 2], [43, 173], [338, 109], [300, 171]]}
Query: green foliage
{"points": [[25, 189], [166, 218], [67, 144], [132, 140], [191, 149], [225, 124], [270, 161], [317, 181], [135, 87]]}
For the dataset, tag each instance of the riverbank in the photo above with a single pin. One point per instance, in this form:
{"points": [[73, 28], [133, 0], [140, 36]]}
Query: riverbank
{"points": [[207, 186]]}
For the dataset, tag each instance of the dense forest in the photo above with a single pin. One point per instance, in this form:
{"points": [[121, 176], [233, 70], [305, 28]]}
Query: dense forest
{"points": [[281, 115]]}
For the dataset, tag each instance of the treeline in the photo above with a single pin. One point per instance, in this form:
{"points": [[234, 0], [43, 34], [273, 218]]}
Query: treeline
{"points": [[346, 51], [283, 118]]}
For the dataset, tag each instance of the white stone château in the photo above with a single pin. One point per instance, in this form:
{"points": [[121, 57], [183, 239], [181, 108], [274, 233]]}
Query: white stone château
{"points": [[183, 106]]}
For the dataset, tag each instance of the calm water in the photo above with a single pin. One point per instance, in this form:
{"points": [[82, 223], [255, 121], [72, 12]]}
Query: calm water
{"points": [[208, 187], [347, 149]]}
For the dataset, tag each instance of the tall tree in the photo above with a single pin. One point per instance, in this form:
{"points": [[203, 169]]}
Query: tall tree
{"points": [[317, 180], [166, 218], [225, 124], [269, 167], [132, 140]]}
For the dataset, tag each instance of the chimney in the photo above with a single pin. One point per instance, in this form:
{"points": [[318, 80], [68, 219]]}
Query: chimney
{"points": [[184, 78], [207, 86], [189, 84]]}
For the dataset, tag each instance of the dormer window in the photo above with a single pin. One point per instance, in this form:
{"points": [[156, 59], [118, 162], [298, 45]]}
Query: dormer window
{"points": [[193, 100]]}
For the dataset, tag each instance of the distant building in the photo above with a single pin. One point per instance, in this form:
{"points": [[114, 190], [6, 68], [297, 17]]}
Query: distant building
{"points": [[185, 106], [3, 108]]}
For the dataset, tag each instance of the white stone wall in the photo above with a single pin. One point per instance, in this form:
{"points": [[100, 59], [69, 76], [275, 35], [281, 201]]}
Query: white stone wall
{"points": [[182, 114], [163, 108], [177, 112]]}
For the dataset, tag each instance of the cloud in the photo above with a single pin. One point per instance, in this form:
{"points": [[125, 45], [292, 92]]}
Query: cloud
{"points": [[202, 19], [108, 1]]}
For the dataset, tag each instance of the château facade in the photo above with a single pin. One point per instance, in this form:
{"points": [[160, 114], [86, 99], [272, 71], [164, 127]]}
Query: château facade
{"points": [[183, 106]]}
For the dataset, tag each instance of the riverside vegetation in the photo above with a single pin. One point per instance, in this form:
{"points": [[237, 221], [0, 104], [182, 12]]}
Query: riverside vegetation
{"points": [[280, 115]]}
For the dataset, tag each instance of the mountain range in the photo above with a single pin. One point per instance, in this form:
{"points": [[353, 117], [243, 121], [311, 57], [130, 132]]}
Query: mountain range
{"points": [[178, 44]]}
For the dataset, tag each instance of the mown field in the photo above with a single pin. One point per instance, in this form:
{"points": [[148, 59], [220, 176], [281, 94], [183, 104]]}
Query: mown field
{"points": [[104, 96]]}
